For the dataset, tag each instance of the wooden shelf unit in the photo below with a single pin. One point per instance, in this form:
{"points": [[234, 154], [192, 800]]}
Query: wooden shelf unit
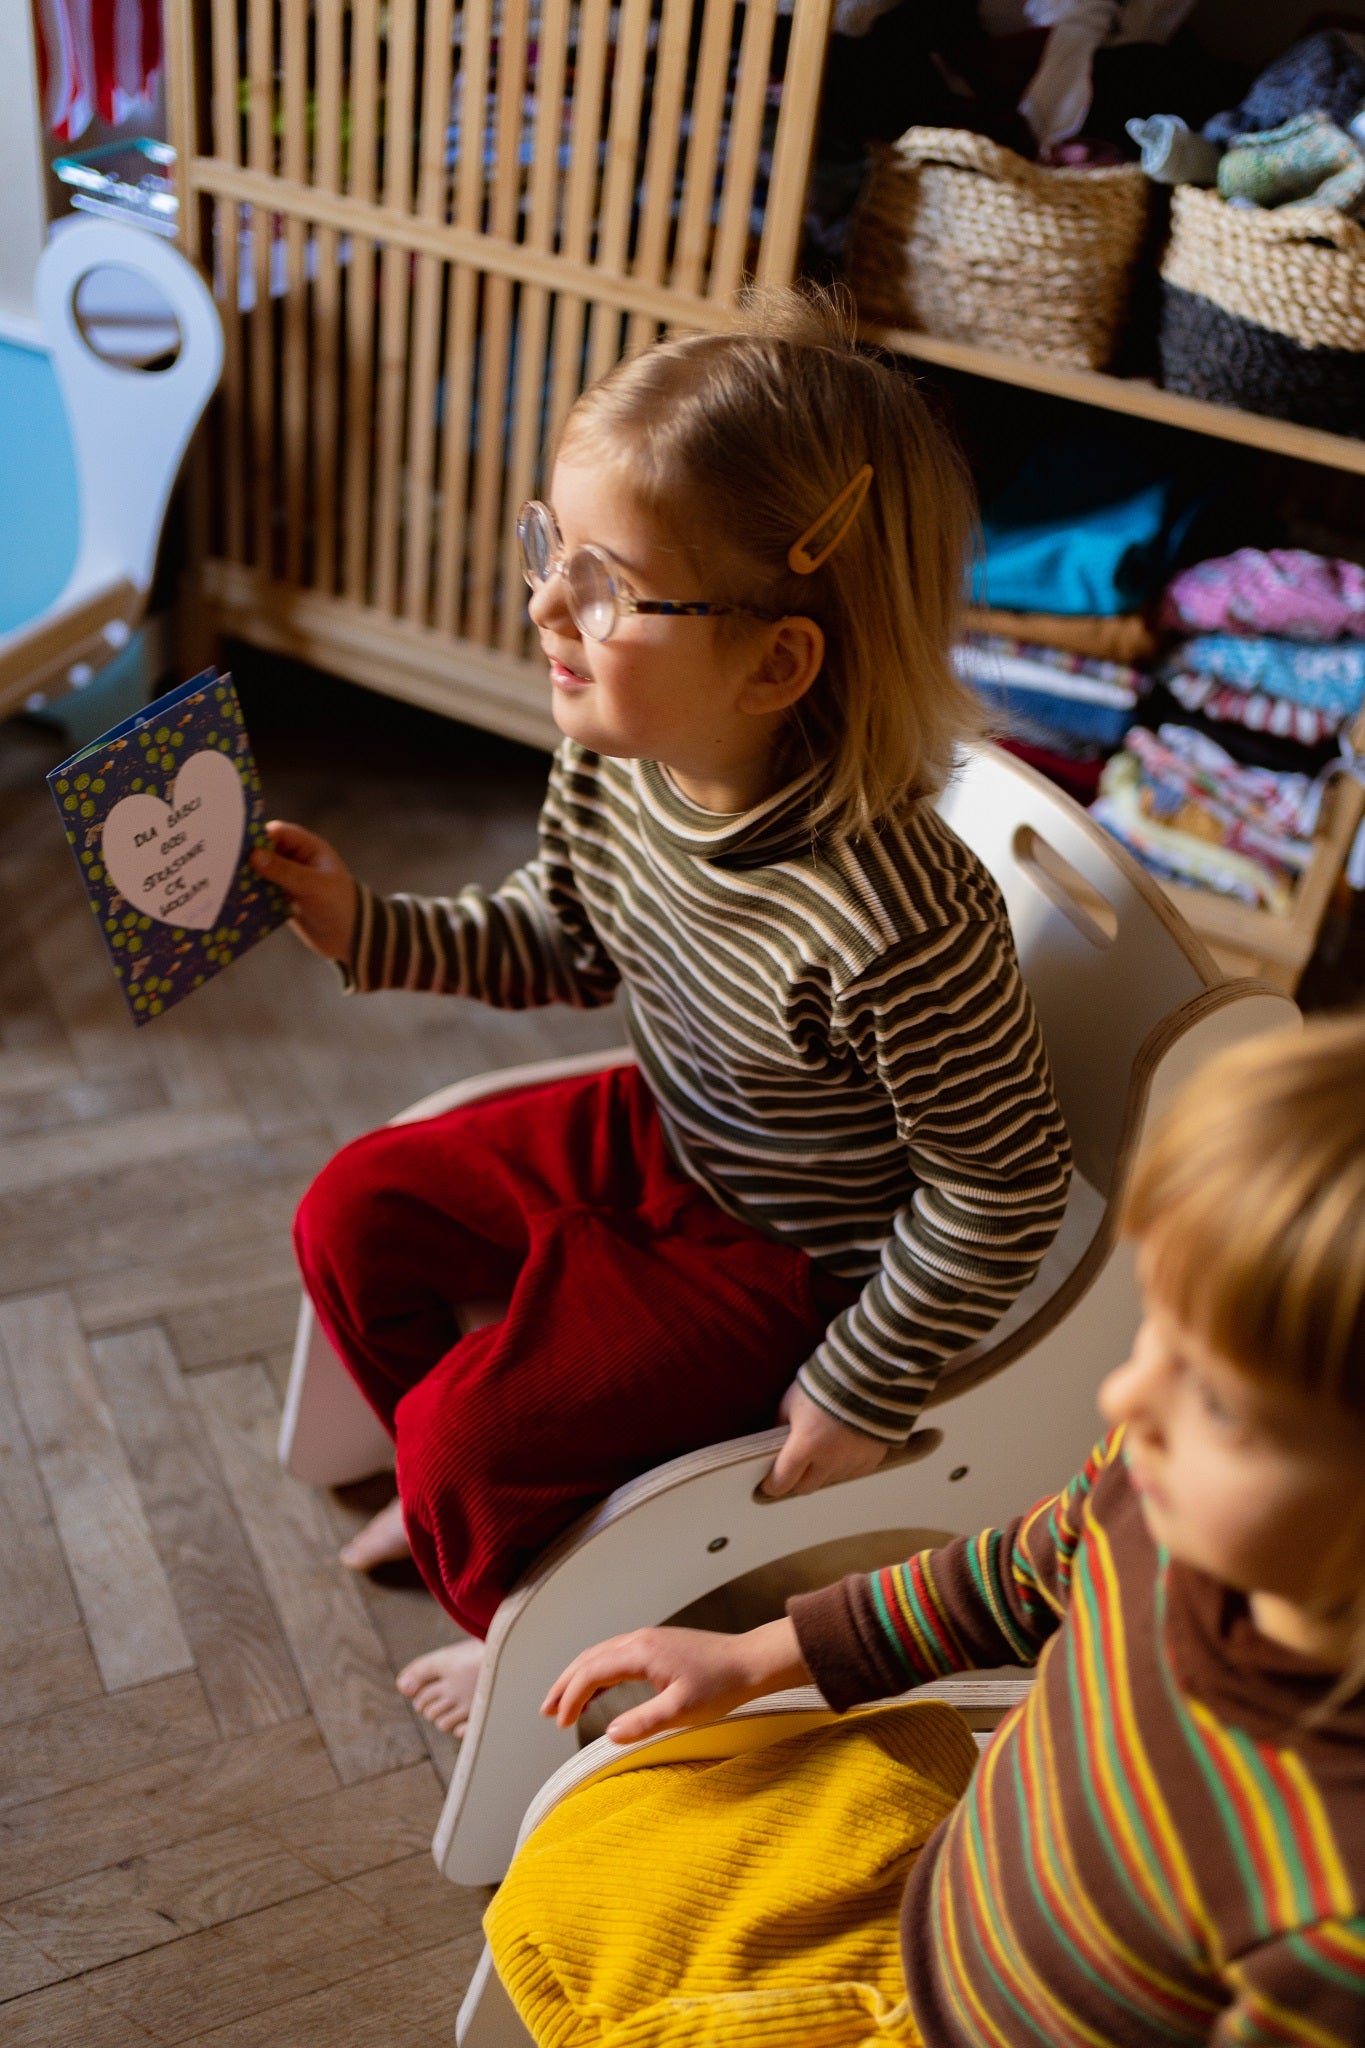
{"points": [[1136, 396], [1244, 940]]}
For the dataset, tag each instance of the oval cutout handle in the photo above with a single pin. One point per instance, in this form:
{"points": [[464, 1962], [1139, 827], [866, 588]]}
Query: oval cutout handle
{"points": [[922, 1444], [1092, 914]]}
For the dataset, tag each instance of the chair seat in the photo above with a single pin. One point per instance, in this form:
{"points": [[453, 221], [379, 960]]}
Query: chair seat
{"points": [[39, 495]]}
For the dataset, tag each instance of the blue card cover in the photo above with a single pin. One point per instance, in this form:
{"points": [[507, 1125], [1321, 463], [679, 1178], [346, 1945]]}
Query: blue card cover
{"points": [[161, 814]]}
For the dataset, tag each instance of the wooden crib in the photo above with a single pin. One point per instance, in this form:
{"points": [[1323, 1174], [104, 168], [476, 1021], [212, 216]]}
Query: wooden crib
{"points": [[429, 224]]}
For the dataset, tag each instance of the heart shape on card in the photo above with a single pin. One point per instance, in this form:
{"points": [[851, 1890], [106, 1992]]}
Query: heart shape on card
{"points": [[175, 861]]}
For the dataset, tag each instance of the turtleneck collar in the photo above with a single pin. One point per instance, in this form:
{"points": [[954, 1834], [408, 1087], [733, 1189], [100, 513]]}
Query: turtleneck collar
{"points": [[775, 830]]}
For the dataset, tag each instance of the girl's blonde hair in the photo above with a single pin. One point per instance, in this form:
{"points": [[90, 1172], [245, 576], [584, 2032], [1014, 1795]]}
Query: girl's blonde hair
{"points": [[1249, 1202], [736, 443]]}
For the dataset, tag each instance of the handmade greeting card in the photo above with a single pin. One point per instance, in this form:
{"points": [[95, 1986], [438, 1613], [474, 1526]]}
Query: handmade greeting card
{"points": [[162, 814]]}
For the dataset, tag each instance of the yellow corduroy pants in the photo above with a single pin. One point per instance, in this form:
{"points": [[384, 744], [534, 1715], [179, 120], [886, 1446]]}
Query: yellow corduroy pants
{"points": [[752, 1903]]}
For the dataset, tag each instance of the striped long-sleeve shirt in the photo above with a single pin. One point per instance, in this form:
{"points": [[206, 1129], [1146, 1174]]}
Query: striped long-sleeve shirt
{"points": [[837, 1035], [1155, 1848]]}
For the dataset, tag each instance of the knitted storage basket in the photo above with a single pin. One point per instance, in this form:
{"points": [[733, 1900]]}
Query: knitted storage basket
{"points": [[959, 237], [1266, 309]]}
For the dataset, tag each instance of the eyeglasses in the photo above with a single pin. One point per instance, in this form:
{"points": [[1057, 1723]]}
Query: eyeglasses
{"points": [[597, 596]]}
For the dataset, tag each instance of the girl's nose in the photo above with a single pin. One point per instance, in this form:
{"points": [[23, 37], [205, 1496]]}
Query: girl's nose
{"points": [[1132, 1392], [549, 605]]}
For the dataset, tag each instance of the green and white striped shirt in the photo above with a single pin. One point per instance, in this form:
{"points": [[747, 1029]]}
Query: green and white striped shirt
{"points": [[836, 1032]]}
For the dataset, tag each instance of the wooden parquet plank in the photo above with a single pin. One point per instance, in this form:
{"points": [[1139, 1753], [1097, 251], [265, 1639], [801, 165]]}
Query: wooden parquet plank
{"points": [[22, 1968], [35, 1591], [239, 1653], [205, 1338], [150, 1806], [40, 1672], [398, 2004], [69, 963], [72, 1102], [97, 1220], [208, 1280], [150, 1900], [367, 1726], [51, 1157], [364, 1826], [268, 1075], [327, 1938], [125, 1601], [24, 1072], [68, 2016], [99, 1738]]}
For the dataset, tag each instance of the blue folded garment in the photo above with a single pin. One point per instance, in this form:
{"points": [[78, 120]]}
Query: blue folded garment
{"points": [[1042, 714], [1330, 679], [1085, 528]]}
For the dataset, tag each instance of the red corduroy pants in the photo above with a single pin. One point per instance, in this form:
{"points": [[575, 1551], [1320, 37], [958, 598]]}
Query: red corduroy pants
{"points": [[642, 1321]]}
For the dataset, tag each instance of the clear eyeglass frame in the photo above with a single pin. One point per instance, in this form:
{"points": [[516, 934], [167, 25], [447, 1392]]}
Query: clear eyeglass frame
{"points": [[596, 593]]}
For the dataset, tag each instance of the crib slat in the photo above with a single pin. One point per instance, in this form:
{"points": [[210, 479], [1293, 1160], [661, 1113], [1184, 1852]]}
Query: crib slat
{"points": [[533, 327], [227, 146], [618, 181], [699, 176], [261, 157], [590, 69], [295, 165], [462, 305], [359, 316], [741, 156], [395, 268], [795, 138], [182, 110], [426, 317], [327, 335], [504, 205], [661, 159]]}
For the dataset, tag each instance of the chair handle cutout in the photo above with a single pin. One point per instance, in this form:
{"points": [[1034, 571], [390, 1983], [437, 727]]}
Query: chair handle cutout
{"points": [[1091, 912], [922, 1444]]}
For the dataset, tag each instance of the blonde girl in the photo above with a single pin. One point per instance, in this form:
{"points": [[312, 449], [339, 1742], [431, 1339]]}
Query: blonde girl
{"points": [[1166, 1843], [838, 1158]]}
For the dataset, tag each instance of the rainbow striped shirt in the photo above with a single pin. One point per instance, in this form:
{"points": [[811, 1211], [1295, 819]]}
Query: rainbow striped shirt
{"points": [[1154, 1849]]}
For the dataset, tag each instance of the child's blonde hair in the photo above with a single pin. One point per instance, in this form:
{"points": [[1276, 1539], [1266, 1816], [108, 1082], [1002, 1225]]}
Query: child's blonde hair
{"points": [[1249, 1203], [736, 443]]}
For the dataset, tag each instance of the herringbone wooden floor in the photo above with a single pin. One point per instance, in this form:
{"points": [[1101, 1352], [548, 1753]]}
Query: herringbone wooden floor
{"points": [[215, 1810]]}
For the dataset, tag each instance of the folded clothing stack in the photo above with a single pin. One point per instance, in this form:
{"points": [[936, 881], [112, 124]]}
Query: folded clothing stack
{"points": [[1221, 784], [1076, 548], [1062, 712]]}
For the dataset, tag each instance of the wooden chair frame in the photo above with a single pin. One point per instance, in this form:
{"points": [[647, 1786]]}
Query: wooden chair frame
{"points": [[1131, 1006]]}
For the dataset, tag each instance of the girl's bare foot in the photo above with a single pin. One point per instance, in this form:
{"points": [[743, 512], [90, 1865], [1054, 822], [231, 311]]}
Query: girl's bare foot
{"points": [[441, 1683], [381, 1541]]}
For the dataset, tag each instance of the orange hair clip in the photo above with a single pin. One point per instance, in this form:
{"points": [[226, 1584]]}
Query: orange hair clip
{"points": [[839, 515]]}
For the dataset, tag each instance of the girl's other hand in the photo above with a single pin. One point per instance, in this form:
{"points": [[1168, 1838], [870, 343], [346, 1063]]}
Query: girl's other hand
{"points": [[318, 883], [819, 1451], [697, 1675]]}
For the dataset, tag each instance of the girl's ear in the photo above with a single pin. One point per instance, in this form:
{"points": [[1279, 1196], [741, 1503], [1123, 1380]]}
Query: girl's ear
{"points": [[792, 657]]}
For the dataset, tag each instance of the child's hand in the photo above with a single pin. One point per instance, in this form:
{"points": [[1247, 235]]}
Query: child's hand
{"points": [[698, 1676], [819, 1451], [317, 882]]}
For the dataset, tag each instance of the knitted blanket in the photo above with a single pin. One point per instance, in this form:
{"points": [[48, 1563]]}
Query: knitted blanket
{"points": [[751, 1903]]}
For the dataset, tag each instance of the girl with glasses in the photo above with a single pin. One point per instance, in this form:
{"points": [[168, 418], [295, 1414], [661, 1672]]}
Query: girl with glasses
{"points": [[838, 1157]]}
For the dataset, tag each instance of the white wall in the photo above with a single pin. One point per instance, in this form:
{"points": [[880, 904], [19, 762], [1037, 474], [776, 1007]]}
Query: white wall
{"points": [[23, 202]]}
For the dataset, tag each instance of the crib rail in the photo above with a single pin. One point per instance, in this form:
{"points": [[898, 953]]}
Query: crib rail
{"points": [[428, 226]]}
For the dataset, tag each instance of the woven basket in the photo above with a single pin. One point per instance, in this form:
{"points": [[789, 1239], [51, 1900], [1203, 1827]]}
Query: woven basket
{"points": [[958, 237], [1266, 309]]}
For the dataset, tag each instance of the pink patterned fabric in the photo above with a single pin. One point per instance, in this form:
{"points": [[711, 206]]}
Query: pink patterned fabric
{"points": [[1286, 592]]}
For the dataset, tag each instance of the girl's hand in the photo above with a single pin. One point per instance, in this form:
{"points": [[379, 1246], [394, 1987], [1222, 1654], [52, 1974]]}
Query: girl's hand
{"points": [[819, 1451], [317, 882], [697, 1675]]}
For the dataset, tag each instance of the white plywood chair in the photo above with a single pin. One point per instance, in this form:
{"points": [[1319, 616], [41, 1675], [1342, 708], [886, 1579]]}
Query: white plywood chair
{"points": [[129, 428], [1130, 1004]]}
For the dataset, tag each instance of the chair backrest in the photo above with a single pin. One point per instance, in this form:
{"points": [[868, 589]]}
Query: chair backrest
{"points": [[129, 427], [1106, 957]]}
